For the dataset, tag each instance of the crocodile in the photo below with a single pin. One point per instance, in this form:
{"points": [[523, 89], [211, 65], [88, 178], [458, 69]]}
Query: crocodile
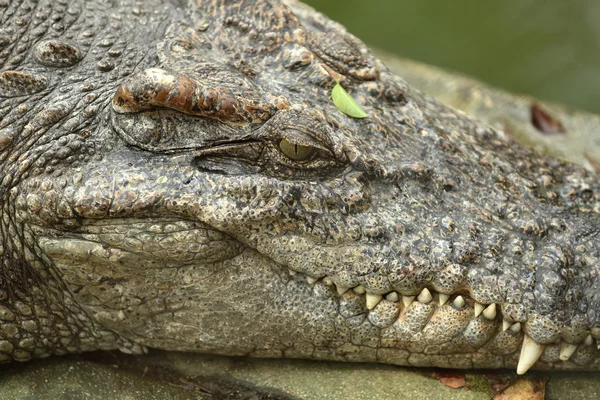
{"points": [[176, 175]]}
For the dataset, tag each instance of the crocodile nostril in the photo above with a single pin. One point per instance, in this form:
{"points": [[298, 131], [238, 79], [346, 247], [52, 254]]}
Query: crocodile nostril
{"points": [[300, 58]]}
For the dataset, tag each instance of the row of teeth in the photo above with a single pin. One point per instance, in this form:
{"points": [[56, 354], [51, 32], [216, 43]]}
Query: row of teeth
{"points": [[531, 350]]}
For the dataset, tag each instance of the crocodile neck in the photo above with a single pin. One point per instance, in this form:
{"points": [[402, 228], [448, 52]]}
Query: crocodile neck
{"points": [[38, 316]]}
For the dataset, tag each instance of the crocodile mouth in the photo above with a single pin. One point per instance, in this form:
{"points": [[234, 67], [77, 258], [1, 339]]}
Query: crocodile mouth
{"points": [[446, 317], [111, 265]]}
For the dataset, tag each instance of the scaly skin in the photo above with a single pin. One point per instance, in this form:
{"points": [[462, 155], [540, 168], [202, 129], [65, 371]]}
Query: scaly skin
{"points": [[177, 177]]}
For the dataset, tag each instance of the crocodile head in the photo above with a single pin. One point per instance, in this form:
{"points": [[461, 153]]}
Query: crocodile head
{"points": [[222, 203]]}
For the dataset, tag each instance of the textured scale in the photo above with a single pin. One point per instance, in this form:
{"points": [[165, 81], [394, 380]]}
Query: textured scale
{"points": [[17, 83], [58, 54], [146, 202]]}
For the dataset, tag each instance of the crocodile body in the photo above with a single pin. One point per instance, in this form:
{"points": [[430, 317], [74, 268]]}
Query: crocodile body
{"points": [[176, 176]]}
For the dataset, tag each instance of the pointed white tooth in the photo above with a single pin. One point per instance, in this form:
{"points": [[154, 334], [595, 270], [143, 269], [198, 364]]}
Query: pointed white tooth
{"points": [[444, 298], [478, 309], [311, 280], [341, 289], [531, 351], [516, 327], [393, 297], [598, 344], [490, 311], [588, 340], [566, 350], [292, 272], [407, 300], [359, 290], [505, 325], [459, 302], [373, 300], [425, 296], [327, 280]]}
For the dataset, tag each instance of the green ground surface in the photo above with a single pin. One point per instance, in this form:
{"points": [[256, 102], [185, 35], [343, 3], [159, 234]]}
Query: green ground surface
{"points": [[181, 376]]}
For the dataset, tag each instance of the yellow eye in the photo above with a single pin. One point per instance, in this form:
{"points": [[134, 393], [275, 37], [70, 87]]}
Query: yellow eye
{"points": [[296, 152]]}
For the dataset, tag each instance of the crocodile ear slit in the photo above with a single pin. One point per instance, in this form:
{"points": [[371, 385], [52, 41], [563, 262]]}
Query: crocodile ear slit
{"points": [[158, 88]]}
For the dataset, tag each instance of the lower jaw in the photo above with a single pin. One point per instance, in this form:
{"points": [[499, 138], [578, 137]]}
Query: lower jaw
{"points": [[412, 354], [481, 359]]}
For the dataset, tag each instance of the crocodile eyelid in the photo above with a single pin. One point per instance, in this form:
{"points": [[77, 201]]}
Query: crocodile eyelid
{"points": [[155, 87]]}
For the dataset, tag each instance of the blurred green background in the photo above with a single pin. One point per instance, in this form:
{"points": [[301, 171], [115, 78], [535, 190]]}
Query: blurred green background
{"points": [[546, 48]]}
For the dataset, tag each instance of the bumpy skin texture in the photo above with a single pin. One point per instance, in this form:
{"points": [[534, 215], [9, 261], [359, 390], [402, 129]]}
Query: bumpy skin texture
{"points": [[176, 176]]}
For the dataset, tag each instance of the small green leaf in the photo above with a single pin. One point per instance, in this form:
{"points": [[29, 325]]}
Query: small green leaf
{"points": [[345, 103]]}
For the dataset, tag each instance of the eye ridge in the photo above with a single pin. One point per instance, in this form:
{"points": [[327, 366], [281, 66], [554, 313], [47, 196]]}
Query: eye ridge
{"points": [[295, 151]]}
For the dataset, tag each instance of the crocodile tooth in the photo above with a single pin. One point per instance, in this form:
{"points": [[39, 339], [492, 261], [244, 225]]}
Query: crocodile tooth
{"points": [[516, 327], [505, 325], [425, 296], [443, 298], [327, 280], [359, 290], [531, 351], [393, 297], [373, 300], [478, 309], [407, 300], [490, 311], [588, 340], [566, 350], [311, 280], [459, 302], [292, 272], [341, 289]]}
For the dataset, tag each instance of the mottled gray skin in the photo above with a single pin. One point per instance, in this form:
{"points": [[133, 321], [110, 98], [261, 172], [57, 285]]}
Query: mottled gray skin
{"points": [[149, 198]]}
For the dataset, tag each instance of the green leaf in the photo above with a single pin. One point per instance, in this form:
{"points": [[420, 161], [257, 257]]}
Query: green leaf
{"points": [[345, 103]]}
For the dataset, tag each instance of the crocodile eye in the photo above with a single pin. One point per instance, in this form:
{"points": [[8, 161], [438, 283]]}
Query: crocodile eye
{"points": [[296, 152]]}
